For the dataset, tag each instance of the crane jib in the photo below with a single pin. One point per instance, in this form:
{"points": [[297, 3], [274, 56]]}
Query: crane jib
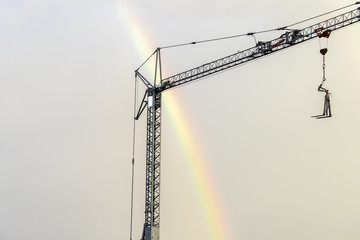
{"points": [[286, 40]]}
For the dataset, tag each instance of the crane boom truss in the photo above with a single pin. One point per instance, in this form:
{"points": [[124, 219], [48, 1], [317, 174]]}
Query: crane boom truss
{"points": [[261, 49]]}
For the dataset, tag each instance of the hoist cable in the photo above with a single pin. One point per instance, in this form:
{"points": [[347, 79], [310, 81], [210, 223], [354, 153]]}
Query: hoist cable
{"points": [[324, 78], [253, 33], [133, 159]]}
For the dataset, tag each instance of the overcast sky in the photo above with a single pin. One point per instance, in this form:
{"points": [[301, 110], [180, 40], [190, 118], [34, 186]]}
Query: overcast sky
{"points": [[66, 120]]}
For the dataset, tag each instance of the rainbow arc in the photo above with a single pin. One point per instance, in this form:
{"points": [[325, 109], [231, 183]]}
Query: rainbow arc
{"points": [[207, 196]]}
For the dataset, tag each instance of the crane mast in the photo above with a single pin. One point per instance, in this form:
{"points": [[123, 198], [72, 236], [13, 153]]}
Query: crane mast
{"points": [[152, 101]]}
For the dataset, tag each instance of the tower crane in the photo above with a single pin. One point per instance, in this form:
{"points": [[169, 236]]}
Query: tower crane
{"points": [[152, 99]]}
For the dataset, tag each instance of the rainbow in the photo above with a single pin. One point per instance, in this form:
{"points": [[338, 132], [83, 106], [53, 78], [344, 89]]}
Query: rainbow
{"points": [[206, 194]]}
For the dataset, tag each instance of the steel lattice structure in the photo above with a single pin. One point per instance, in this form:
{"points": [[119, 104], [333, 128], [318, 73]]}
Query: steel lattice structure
{"points": [[152, 194], [152, 100]]}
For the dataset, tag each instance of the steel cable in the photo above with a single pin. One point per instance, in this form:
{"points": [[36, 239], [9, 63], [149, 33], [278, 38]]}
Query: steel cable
{"points": [[133, 158]]}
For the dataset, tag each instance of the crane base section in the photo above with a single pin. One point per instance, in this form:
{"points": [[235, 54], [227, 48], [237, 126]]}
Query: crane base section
{"points": [[151, 233]]}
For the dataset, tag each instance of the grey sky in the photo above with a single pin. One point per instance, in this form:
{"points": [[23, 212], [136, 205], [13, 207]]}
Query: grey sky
{"points": [[66, 105]]}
